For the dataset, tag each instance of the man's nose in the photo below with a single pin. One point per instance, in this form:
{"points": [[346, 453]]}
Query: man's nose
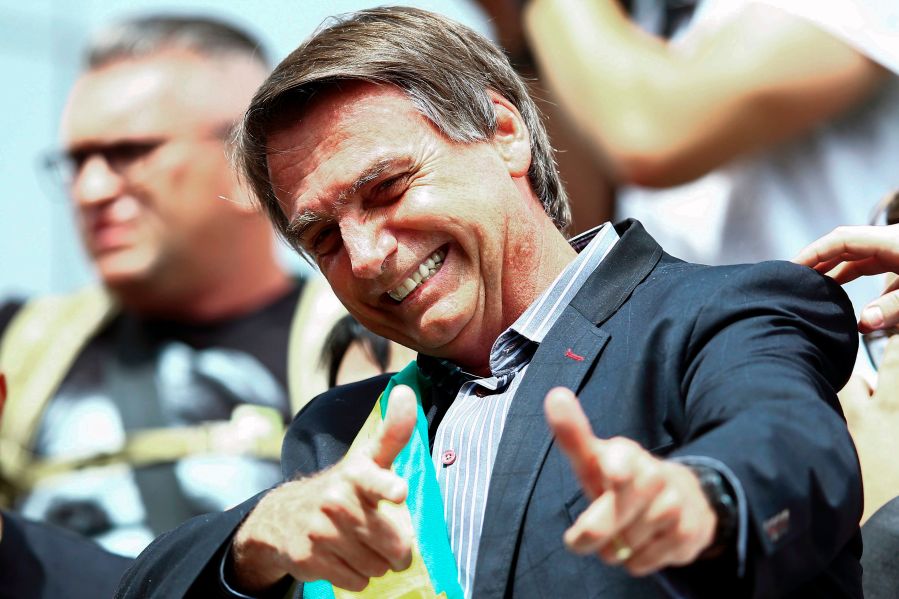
{"points": [[369, 245], [96, 182]]}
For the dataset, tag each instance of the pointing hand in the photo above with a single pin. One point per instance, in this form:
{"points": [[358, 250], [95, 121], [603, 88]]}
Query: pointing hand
{"points": [[328, 526], [645, 513]]}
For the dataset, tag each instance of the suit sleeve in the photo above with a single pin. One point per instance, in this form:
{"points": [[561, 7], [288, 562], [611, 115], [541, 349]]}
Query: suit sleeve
{"points": [[768, 350], [881, 559], [186, 561]]}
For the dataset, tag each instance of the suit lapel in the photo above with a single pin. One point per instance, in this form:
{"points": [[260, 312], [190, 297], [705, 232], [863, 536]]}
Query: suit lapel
{"points": [[524, 445], [564, 358], [628, 263]]}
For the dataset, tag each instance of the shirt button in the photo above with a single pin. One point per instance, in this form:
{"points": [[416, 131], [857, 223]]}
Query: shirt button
{"points": [[449, 456]]}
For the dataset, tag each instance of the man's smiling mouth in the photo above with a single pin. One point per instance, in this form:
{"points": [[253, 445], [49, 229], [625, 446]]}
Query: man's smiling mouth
{"points": [[425, 271]]}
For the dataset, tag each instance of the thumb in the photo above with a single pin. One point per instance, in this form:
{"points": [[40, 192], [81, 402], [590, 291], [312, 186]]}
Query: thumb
{"points": [[402, 412], [575, 436], [882, 313]]}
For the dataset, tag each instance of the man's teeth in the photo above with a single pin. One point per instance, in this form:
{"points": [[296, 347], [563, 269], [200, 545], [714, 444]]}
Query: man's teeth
{"points": [[425, 271]]}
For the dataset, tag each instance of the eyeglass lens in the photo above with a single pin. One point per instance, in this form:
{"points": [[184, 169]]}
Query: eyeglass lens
{"points": [[120, 157], [875, 344]]}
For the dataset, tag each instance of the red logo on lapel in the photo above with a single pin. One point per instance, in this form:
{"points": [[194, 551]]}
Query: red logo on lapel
{"points": [[573, 356], [777, 525]]}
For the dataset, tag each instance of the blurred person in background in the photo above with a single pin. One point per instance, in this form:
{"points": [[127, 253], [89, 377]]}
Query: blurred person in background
{"points": [[872, 412], [41, 561], [353, 353], [162, 393], [736, 130]]}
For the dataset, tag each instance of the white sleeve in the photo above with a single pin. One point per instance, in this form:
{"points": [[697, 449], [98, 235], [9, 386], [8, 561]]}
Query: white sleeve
{"points": [[869, 26]]}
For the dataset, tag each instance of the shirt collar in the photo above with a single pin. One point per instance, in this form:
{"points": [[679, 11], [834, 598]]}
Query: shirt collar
{"points": [[531, 327], [592, 247]]}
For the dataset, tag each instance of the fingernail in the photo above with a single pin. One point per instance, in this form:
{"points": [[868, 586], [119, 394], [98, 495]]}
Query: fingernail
{"points": [[405, 563], [873, 317], [398, 489], [576, 545]]}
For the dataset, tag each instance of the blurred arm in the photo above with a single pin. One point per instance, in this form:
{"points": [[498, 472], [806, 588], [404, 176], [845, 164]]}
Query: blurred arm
{"points": [[664, 116], [873, 417]]}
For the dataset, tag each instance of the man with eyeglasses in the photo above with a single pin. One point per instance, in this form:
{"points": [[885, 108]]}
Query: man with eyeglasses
{"points": [[163, 393], [40, 561]]}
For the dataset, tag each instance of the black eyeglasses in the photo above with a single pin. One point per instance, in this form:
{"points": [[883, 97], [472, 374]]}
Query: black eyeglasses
{"points": [[124, 158], [876, 344], [121, 158], [886, 212]]}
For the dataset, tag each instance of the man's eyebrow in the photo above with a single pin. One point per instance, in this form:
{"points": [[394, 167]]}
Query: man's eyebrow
{"points": [[304, 221], [93, 145], [368, 175]]}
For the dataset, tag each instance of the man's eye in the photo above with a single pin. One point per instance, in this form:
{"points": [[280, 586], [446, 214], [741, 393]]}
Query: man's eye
{"points": [[77, 158], [325, 241], [392, 186], [134, 150], [123, 155]]}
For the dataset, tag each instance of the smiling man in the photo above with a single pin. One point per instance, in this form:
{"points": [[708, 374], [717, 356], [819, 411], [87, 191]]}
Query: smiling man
{"points": [[428, 242], [706, 453]]}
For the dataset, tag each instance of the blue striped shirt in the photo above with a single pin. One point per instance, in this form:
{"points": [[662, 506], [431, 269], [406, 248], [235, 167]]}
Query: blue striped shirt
{"points": [[468, 436]]}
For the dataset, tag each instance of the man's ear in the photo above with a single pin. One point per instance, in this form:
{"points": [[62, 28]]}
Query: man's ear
{"points": [[511, 139]]}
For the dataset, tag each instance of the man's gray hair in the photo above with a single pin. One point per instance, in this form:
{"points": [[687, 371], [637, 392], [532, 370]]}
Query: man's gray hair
{"points": [[445, 69], [144, 36]]}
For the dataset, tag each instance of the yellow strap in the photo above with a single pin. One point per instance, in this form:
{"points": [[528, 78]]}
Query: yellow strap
{"points": [[47, 334], [253, 430], [36, 352], [317, 312]]}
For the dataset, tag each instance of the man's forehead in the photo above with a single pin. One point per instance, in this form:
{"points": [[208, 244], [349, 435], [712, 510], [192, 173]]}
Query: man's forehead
{"points": [[340, 136], [162, 94], [356, 103]]}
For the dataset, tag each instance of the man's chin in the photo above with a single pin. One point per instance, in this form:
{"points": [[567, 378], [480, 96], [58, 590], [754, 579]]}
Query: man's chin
{"points": [[118, 270], [449, 343]]}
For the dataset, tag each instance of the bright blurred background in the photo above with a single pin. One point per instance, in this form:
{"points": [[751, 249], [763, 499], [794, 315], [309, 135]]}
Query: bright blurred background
{"points": [[41, 44]]}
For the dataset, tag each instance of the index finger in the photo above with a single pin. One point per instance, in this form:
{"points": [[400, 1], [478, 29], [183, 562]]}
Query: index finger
{"points": [[852, 243], [402, 412], [575, 435]]}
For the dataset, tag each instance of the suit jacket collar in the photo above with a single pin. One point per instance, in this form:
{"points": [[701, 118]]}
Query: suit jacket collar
{"points": [[565, 356], [628, 263]]}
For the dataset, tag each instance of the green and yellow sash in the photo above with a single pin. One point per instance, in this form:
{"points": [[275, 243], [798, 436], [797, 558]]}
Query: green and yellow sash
{"points": [[433, 571]]}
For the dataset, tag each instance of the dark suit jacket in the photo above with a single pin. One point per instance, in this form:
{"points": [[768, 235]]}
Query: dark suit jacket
{"points": [[736, 364], [39, 561], [881, 558]]}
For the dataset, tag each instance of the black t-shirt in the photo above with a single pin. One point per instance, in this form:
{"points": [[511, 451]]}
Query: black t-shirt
{"points": [[141, 373], [7, 311]]}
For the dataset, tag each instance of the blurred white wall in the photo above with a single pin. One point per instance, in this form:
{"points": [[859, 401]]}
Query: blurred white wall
{"points": [[40, 57]]}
